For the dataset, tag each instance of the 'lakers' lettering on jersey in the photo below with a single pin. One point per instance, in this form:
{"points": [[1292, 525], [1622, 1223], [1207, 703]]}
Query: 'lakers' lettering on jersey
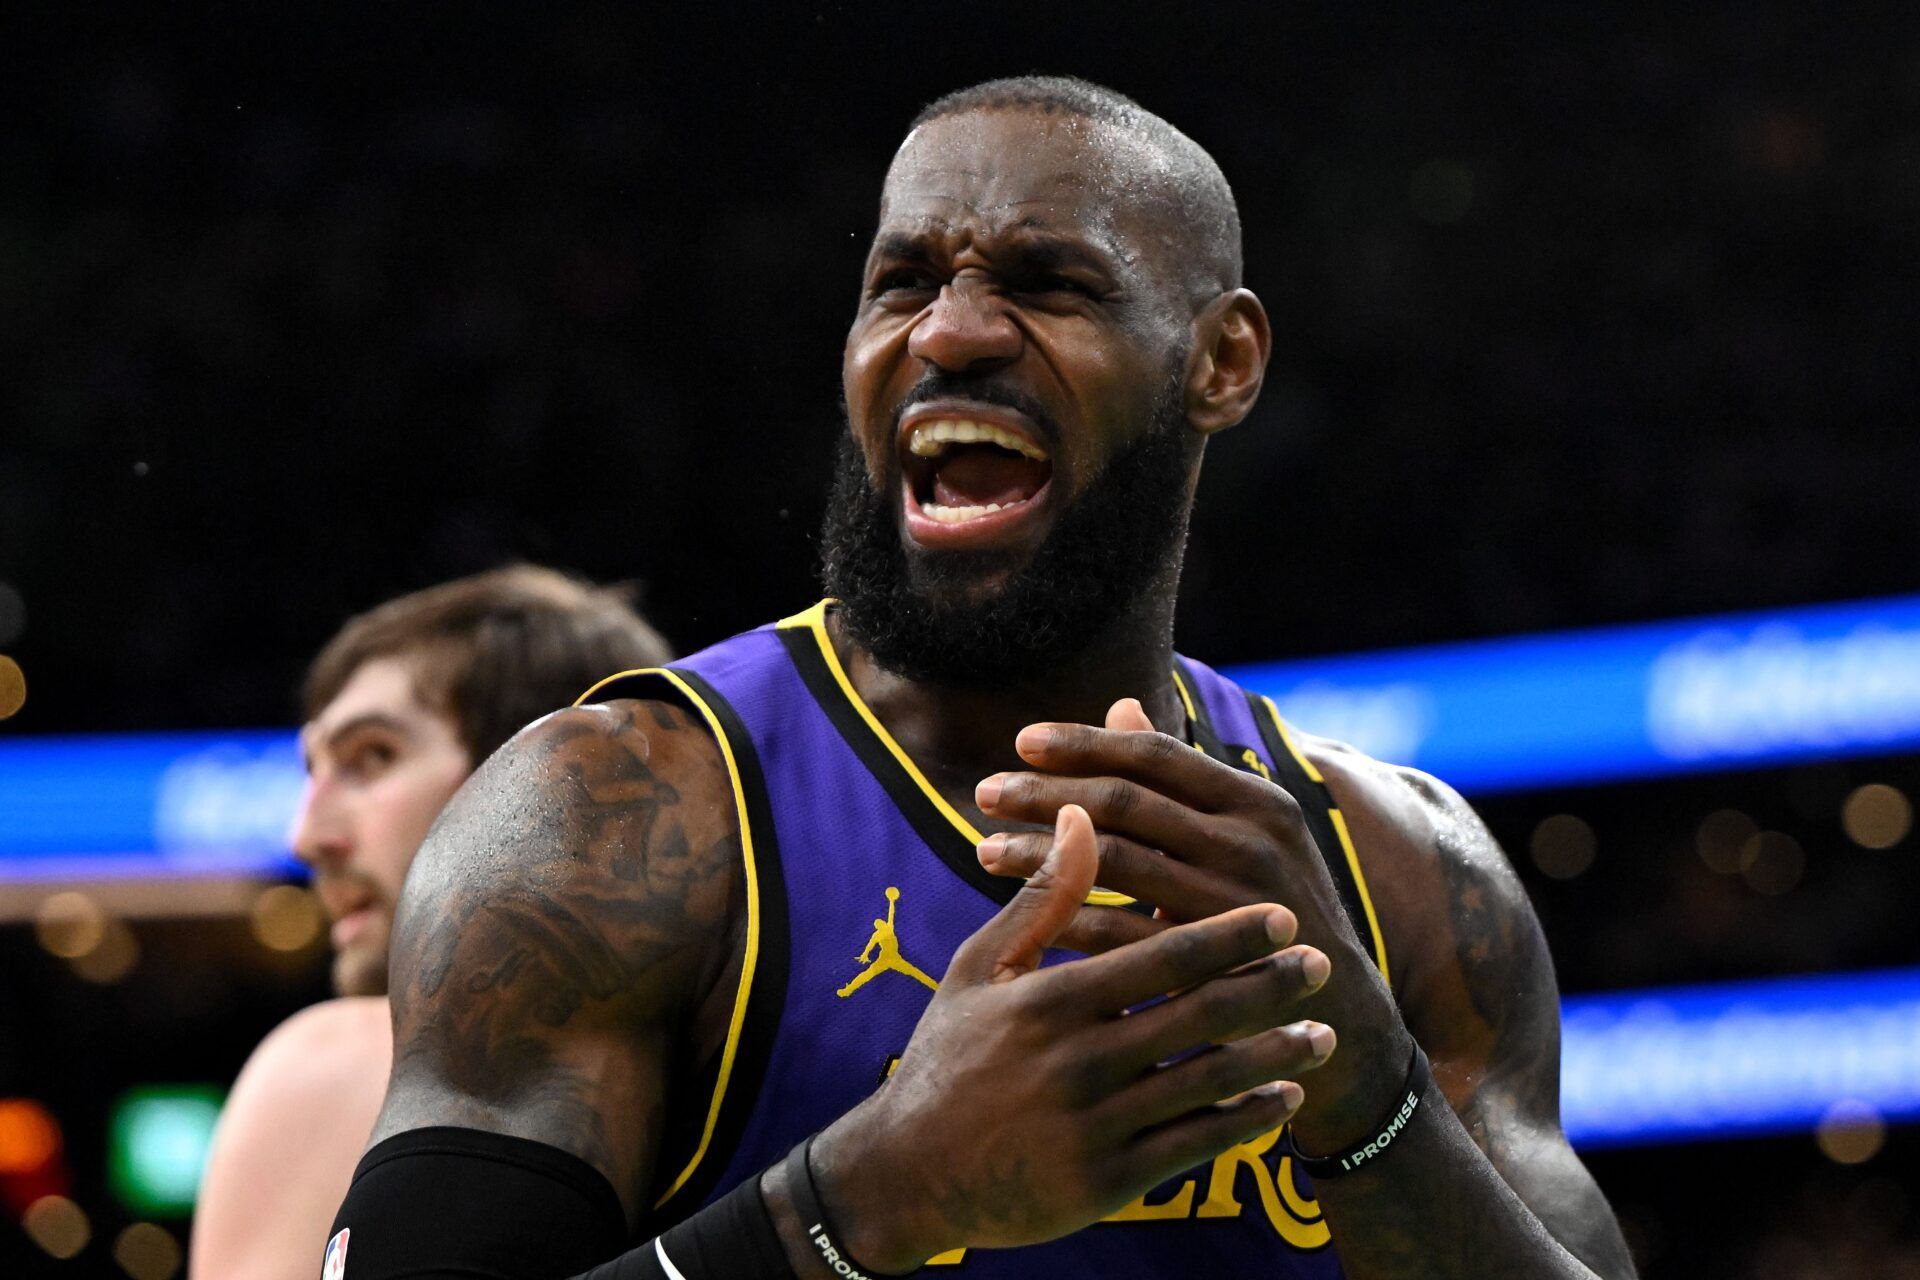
{"points": [[862, 884]]}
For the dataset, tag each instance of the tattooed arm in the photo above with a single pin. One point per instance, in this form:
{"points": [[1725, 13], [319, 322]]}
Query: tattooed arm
{"points": [[572, 918], [566, 926], [1490, 1188]]}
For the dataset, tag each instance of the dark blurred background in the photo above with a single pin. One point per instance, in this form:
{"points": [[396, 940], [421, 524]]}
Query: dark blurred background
{"points": [[1584, 314]]}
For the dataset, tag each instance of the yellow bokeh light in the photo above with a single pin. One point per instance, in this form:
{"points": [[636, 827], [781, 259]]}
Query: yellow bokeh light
{"points": [[70, 925], [1877, 816], [285, 918], [57, 1225], [13, 687], [113, 959], [1850, 1133], [147, 1252]]}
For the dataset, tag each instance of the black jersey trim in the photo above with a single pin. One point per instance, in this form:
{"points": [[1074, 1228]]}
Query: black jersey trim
{"points": [[1324, 819], [947, 841]]}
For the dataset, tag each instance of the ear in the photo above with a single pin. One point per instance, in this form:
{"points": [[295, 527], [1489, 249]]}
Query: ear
{"points": [[1232, 341]]}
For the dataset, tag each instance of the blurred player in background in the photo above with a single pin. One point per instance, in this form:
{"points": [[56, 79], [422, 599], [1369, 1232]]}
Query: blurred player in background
{"points": [[400, 707]]}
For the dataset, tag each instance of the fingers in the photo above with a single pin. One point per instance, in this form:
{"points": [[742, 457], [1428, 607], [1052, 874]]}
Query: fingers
{"points": [[1156, 759], [1247, 1002], [1200, 1136], [1223, 1073], [1011, 943], [1127, 715], [1183, 891], [1098, 930], [1115, 804], [1172, 959]]}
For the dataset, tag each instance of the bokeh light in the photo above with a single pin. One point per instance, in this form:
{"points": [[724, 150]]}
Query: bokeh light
{"points": [[146, 1251], [113, 959], [1851, 1133], [13, 613], [1563, 846], [13, 687], [70, 925], [57, 1225], [1877, 816], [1721, 837], [1772, 862], [285, 918], [29, 1136]]}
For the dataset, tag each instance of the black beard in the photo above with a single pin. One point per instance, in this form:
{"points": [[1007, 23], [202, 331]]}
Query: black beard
{"points": [[926, 617]]}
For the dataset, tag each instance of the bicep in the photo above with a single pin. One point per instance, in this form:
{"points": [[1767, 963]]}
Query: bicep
{"points": [[554, 932], [1488, 1012]]}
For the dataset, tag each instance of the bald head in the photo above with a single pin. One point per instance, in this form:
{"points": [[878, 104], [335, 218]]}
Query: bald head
{"points": [[1152, 171]]}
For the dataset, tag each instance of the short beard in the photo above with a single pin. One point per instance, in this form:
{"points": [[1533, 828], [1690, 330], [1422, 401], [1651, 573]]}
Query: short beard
{"points": [[923, 616]]}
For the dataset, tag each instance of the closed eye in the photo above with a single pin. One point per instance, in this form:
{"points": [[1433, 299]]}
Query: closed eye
{"points": [[904, 280]]}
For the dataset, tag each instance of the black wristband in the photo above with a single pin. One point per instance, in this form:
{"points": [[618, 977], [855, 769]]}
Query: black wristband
{"points": [[731, 1239], [821, 1233], [1370, 1148]]}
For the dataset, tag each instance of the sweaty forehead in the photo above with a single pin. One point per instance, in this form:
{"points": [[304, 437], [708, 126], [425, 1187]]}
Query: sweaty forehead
{"points": [[996, 172]]}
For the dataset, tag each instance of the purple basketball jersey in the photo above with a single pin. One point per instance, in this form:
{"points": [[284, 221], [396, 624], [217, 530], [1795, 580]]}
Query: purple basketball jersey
{"points": [[863, 883]]}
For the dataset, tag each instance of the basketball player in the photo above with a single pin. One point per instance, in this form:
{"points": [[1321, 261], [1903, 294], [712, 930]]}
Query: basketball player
{"points": [[659, 973], [400, 706]]}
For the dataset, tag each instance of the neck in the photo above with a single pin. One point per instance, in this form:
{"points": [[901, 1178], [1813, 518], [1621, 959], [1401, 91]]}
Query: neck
{"points": [[957, 736]]}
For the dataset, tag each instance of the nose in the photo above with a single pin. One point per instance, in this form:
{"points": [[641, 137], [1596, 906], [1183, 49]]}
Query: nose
{"points": [[967, 329], [319, 835]]}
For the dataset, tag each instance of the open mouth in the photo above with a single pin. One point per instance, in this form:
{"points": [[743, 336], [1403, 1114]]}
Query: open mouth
{"points": [[962, 472]]}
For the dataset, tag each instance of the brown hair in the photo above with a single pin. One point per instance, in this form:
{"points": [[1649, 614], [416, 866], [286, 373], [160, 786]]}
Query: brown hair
{"points": [[494, 650]]}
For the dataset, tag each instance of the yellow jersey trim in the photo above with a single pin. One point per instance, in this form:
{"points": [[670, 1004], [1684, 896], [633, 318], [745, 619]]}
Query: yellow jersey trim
{"points": [[815, 620], [752, 960], [1346, 841]]}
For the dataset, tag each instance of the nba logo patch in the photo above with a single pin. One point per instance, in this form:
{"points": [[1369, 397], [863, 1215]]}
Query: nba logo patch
{"points": [[335, 1266]]}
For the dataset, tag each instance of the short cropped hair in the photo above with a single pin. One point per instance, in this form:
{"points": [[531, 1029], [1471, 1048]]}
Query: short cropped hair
{"points": [[1203, 200], [493, 651]]}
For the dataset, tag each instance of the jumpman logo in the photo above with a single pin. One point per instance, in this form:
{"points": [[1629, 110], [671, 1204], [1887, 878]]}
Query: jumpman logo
{"points": [[887, 942]]}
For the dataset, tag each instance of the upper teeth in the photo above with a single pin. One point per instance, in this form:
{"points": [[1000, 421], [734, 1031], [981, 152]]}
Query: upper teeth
{"points": [[930, 439]]}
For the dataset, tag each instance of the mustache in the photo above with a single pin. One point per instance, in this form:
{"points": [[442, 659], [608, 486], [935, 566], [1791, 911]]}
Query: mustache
{"points": [[329, 884], [941, 384]]}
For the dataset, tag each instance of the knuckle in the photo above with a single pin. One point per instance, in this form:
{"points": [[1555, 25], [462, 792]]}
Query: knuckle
{"points": [[1286, 809], [1159, 747], [1118, 797]]}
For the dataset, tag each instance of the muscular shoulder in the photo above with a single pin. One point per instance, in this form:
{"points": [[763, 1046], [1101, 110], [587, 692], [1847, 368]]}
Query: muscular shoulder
{"points": [[573, 903], [622, 812], [1462, 940], [313, 1085]]}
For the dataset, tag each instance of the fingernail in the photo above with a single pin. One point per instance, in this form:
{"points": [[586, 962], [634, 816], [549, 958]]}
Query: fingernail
{"points": [[1320, 1039], [993, 848], [1291, 1094], [1315, 967], [1034, 738], [987, 794], [1280, 926]]}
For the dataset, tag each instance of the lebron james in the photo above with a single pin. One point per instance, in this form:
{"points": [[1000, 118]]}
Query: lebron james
{"points": [[957, 922]]}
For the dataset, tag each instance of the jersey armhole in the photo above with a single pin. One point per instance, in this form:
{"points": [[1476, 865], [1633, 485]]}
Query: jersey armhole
{"points": [[689, 1175]]}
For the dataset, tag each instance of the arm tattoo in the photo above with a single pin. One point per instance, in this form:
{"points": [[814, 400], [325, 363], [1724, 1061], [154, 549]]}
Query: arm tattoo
{"points": [[1487, 1011], [568, 910]]}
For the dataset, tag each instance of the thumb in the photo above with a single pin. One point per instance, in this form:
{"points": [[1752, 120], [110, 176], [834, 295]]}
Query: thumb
{"points": [[1009, 945], [1128, 714]]}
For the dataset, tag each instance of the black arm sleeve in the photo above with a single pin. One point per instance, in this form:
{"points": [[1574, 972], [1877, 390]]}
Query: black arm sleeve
{"points": [[462, 1204]]}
